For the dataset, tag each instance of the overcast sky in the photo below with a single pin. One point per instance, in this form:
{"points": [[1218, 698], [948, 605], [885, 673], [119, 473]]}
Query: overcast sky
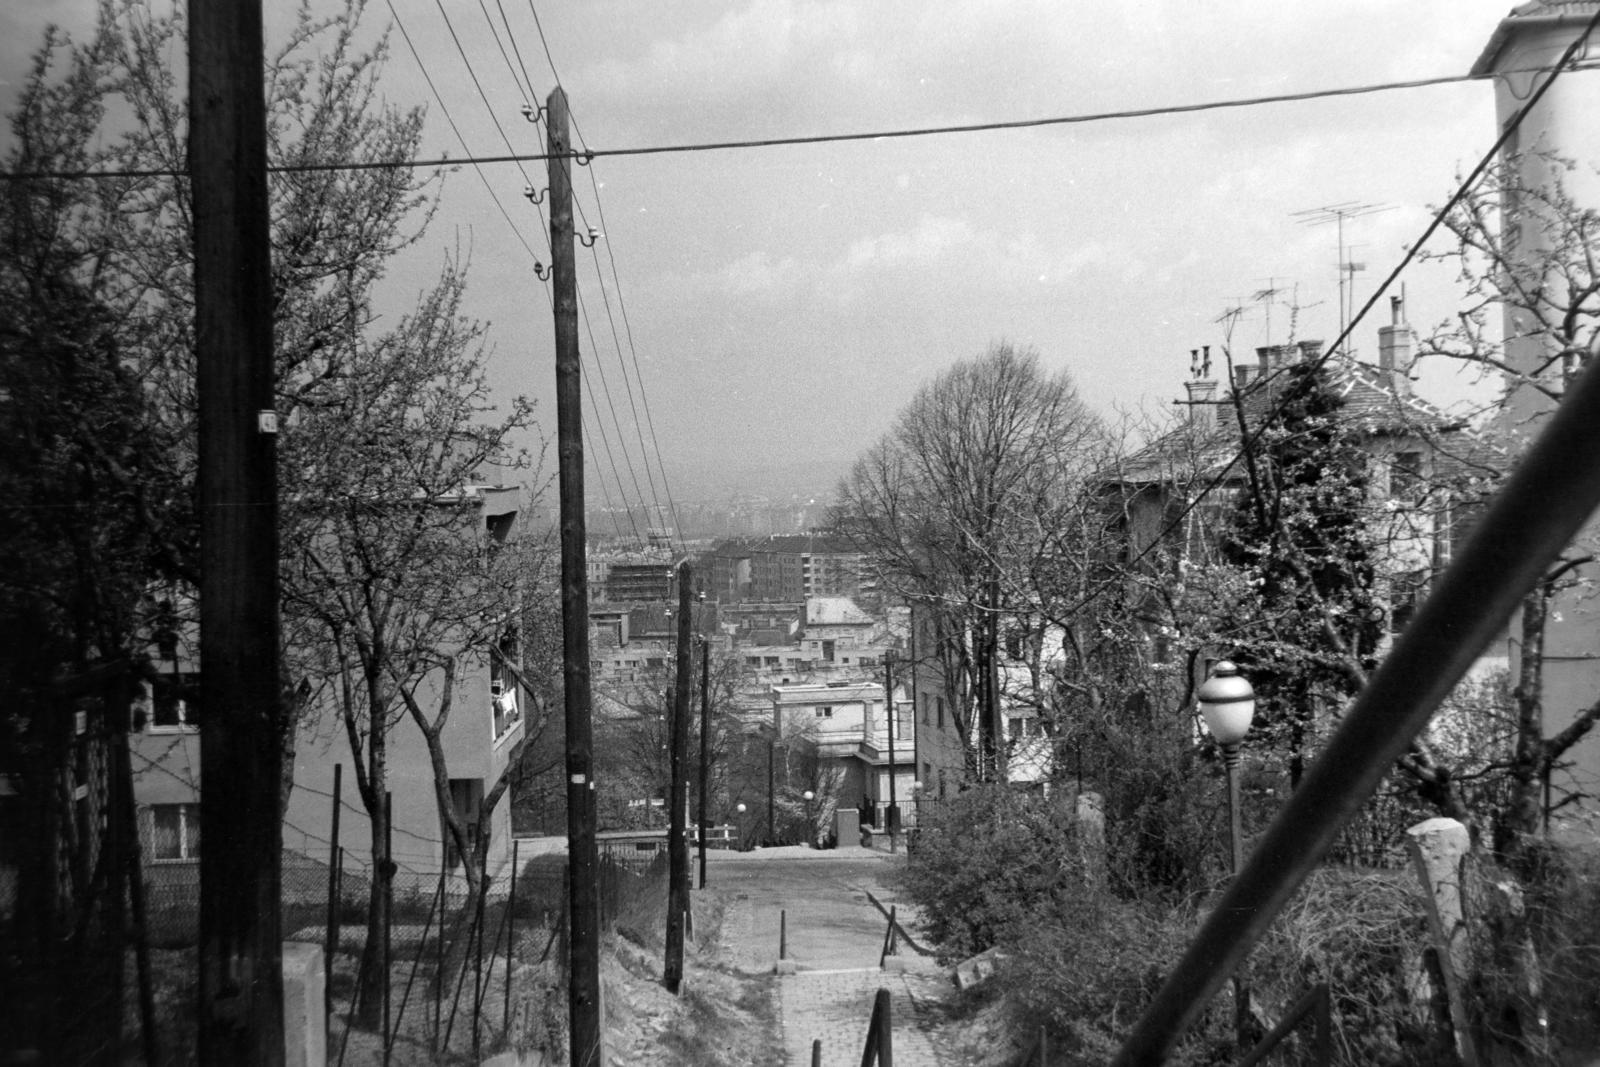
{"points": [[785, 302]]}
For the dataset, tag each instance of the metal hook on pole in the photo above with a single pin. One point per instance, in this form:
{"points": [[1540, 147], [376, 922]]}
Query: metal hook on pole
{"points": [[535, 196], [531, 113], [543, 272], [583, 158], [594, 235]]}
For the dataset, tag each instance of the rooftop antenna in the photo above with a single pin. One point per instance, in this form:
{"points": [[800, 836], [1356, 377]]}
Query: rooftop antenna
{"points": [[1266, 298], [1338, 213]]}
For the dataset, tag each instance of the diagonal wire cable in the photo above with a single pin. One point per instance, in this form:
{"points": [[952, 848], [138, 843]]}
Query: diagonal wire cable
{"points": [[528, 248], [621, 304]]}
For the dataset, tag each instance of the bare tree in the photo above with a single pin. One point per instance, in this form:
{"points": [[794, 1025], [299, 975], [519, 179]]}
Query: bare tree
{"points": [[947, 504], [1525, 255]]}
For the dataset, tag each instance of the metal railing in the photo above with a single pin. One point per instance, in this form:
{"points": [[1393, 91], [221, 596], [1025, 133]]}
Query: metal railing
{"points": [[879, 1049], [1554, 490]]}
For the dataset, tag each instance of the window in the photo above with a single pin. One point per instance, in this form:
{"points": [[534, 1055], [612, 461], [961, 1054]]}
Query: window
{"points": [[175, 701], [174, 832], [940, 705], [1405, 478], [824, 712], [771, 661], [503, 685], [827, 651]]}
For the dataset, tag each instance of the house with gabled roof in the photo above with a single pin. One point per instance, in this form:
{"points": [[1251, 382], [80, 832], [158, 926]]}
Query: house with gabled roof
{"points": [[1426, 468]]}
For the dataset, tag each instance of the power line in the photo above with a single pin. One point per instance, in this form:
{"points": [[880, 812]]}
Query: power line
{"points": [[456, 129], [487, 104], [616, 278], [584, 155]]}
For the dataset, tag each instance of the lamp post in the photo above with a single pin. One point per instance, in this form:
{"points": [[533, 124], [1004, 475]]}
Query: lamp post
{"points": [[1228, 703], [740, 809], [916, 799], [810, 830]]}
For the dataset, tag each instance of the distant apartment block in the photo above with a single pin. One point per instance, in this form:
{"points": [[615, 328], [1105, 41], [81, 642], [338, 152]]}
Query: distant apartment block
{"points": [[786, 569]]}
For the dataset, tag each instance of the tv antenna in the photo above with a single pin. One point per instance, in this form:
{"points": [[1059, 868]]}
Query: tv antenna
{"points": [[1266, 298], [1337, 214]]}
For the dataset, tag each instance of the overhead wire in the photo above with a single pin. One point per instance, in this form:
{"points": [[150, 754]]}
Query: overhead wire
{"points": [[525, 87], [587, 154], [438, 97], [456, 129], [527, 92], [616, 278]]}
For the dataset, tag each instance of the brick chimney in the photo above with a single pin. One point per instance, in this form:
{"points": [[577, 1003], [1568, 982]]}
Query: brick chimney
{"points": [[1243, 375], [1202, 404], [1394, 348]]}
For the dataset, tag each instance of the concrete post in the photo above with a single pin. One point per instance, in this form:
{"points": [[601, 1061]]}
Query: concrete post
{"points": [[1436, 848], [305, 1032]]}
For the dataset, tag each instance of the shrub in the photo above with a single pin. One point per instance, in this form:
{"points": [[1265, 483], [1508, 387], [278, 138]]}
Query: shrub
{"points": [[988, 860]]}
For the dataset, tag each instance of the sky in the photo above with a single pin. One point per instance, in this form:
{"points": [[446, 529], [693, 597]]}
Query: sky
{"points": [[782, 303]]}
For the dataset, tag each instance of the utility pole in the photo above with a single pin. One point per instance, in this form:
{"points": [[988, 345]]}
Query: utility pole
{"points": [[916, 710], [705, 752], [583, 862], [241, 947], [678, 802], [893, 817]]}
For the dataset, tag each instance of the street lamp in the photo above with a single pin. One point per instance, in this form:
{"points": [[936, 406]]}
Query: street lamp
{"points": [[740, 809], [1228, 703], [916, 798], [810, 834]]}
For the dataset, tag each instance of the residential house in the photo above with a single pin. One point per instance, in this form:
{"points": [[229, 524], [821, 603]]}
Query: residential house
{"points": [[484, 727], [847, 725]]}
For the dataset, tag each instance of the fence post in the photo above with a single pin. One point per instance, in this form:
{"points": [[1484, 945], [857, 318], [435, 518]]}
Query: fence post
{"points": [[511, 936], [330, 935], [783, 935], [1437, 847], [1323, 1054], [388, 920], [477, 972], [880, 1034]]}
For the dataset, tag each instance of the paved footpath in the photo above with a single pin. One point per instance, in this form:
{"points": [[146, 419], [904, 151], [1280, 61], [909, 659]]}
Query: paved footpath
{"points": [[835, 937]]}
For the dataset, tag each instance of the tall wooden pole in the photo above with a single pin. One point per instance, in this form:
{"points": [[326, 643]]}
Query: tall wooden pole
{"points": [[583, 861], [705, 752], [240, 954], [893, 818], [678, 802]]}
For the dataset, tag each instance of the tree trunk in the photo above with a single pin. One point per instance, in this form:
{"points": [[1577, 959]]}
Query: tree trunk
{"points": [[369, 997], [1519, 822]]}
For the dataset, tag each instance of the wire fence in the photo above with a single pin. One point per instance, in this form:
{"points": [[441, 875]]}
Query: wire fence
{"points": [[462, 976]]}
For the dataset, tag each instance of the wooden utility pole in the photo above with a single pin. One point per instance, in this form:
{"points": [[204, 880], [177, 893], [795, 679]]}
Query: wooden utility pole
{"points": [[705, 752], [678, 802], [583, 861], [241, 950], [893, 817]]}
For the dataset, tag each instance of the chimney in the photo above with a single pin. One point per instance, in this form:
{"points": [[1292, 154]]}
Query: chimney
{"points": [[1202, 404], [1310, 350], [1394, 348], [1243, 375]]}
